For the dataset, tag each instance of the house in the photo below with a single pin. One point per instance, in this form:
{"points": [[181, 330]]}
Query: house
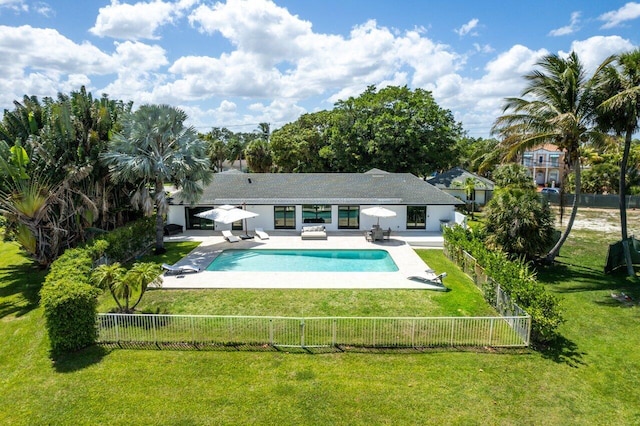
{"points": [[545, 164], [453, 182], [292, 200]]}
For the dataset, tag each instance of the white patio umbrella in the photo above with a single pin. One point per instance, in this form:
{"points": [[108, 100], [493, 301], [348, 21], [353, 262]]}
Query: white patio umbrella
{"points": [[378, 212], [226, 214]]}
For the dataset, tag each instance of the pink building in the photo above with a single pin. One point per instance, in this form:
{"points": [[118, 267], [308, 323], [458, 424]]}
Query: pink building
{"points": [[545, 164]]}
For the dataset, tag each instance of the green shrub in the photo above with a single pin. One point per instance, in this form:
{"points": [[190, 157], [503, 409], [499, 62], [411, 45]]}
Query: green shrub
{"points": [[68, 297], [70, 301], [70, 314], [514, 276], [129, 241]]}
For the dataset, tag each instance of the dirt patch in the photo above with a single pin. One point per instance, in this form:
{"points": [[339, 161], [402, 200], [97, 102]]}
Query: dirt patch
{"points": [[605, 220]]}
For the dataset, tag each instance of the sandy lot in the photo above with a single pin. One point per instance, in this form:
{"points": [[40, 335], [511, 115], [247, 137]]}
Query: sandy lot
{"points": [[605, 220]]}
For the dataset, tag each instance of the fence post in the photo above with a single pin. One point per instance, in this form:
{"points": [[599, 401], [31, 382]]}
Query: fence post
{"points": [[453, 326], [115, 317], [413, 333], [491, 331], [193, 332], [302, 332], [155, 335], [334, 333], [271, 331]]}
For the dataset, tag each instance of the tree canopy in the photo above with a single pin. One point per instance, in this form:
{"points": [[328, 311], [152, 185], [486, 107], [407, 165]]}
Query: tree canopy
{"points": [[394, 129]]}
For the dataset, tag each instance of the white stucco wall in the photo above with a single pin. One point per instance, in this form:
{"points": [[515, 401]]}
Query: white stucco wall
{"points": [[265, 219]]}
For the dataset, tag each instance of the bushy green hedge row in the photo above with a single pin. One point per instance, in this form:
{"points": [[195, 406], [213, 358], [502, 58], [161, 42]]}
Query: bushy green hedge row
{"points": [[130, 240], [514, 277], [68, 297], [70, 301]]}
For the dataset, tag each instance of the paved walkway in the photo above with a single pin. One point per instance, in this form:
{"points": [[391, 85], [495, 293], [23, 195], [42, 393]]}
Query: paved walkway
{"points": [[401, 250]]}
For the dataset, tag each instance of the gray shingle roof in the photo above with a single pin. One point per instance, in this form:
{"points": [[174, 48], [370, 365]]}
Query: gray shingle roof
{"points": [[458, 174], [326, 188]]}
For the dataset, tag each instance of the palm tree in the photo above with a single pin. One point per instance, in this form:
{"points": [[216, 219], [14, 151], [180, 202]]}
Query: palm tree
{"points": [[154, 148], [141, 275], [123, 284], [556, 107], [259, 157], [264, 130], [108, 276], [620, 112]]}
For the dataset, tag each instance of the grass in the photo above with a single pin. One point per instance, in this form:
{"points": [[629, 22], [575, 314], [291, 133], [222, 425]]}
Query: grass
{"points": [[590, 377], [465, 300]]}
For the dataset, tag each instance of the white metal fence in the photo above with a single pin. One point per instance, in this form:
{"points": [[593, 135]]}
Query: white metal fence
{"points": [[492, 290], [338, 332]]}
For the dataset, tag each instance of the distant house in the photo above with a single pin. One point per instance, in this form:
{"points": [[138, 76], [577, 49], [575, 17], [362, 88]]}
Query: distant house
{"points": [[291, 200], [545, 164], [453, 182]]}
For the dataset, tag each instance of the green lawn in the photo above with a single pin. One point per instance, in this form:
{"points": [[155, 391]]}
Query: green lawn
{"points": [[590, 378]]}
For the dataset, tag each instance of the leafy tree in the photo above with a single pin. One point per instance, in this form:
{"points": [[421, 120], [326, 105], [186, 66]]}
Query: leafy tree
{"points": [[479, 155], [258, 155], [513, 175], [300, 146], [68, 191], [556, 107], [394, 129], [235, 149], [620, 113], [216, 150], [154, 148]]}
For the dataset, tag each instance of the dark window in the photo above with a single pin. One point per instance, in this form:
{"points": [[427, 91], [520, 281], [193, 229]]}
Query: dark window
{"points": [[284, 217], [195, 222], [348, 217], [416, 217], [316, 213]]}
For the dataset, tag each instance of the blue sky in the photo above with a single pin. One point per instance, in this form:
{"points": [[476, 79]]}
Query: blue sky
{"points": [[237, 63]]}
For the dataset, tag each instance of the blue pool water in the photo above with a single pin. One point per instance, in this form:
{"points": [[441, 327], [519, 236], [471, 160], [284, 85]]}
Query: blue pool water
{"points": [[277, 260]]}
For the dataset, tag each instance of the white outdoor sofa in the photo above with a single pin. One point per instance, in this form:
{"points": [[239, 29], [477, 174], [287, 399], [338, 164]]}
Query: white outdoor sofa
{"points": [[314, 233]]}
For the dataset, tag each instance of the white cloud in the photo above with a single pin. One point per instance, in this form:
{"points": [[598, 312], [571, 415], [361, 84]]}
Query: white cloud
{"points": [[16, 6], [467, 28], [138, 68], [628, 12], [137, 21], [26, 48], [594, 50], [257, 26], [483, 48], [567, 29]]}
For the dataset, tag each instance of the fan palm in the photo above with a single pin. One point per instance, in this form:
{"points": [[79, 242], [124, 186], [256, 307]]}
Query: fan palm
{"points": [[154, 148], [620, 112], [556, 107]]}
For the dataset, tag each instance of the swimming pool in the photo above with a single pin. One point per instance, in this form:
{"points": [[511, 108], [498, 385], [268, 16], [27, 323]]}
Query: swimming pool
{"points": [[280, 260]]}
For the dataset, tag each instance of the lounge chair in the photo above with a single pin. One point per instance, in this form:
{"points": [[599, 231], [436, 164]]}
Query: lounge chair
{"points": [[230, 237], [432, 283], [177, 270], [261, 234]]}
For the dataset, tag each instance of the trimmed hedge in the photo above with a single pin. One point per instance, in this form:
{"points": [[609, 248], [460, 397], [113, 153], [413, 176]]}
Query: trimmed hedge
{"points": [[127, 242], [516, 278], [69, 299], [70, 314]]}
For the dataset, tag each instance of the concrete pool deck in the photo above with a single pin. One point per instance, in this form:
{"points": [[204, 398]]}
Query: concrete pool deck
{"points": [[399, 247]]}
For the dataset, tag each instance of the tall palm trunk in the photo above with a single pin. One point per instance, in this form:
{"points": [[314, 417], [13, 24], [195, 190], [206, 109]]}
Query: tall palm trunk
{"points": [[553, 253], [159, 187], [622, 194]]}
